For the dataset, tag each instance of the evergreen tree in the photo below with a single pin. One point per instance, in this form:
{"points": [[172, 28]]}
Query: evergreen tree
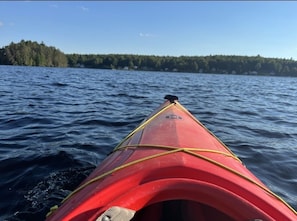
{"points": [[30, 53]]}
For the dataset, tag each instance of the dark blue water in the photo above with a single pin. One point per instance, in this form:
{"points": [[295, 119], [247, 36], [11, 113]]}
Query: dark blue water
{"points": [[57, 124]]}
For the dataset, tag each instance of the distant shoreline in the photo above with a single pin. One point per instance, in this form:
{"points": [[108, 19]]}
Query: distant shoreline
{"points": [[28, 53]]}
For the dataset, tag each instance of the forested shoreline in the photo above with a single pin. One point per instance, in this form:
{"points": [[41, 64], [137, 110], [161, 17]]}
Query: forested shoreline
{"points": [[29, 53]]}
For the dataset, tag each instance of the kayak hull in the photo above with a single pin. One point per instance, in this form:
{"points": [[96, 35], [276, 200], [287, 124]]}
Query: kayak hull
{"points": [[171, 167]]}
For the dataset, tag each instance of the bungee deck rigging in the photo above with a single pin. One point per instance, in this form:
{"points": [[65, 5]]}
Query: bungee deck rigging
{"points": [[138, 151]]}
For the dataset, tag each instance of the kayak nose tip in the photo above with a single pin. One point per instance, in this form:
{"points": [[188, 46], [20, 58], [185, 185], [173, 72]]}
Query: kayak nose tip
{"points": [[171, 98]]}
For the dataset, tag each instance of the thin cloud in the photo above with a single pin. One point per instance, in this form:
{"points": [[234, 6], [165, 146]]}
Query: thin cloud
{"points": [[146, 35], [54, 6], [83, 8], [6, 24]]}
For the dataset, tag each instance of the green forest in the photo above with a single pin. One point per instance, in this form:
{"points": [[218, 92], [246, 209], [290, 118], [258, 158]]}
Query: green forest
{"points": [[29, 53]]}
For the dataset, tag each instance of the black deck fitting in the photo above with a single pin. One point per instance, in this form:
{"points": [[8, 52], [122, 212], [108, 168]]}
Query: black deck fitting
{"points": [[171, 98]]}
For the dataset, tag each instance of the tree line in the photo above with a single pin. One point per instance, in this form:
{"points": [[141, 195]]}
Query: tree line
{"points": [[30, 53]]}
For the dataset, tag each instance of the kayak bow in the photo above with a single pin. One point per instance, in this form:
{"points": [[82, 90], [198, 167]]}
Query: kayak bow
{"points": [[171, 167]]}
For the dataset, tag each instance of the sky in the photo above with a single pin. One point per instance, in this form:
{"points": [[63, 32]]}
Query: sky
{"points": [[162, 28]]}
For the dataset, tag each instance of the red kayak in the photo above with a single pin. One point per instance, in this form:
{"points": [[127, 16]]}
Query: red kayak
{"points": [[172, 168]]}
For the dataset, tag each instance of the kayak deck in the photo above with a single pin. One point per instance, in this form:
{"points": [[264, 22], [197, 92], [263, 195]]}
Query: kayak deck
{"points": [[172, 168]]}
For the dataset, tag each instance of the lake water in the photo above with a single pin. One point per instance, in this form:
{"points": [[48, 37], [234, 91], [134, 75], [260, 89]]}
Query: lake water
{"points": [[57, 124]]}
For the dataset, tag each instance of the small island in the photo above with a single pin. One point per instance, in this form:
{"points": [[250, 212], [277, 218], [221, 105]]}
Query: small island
{"points": [[31, 53]]}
